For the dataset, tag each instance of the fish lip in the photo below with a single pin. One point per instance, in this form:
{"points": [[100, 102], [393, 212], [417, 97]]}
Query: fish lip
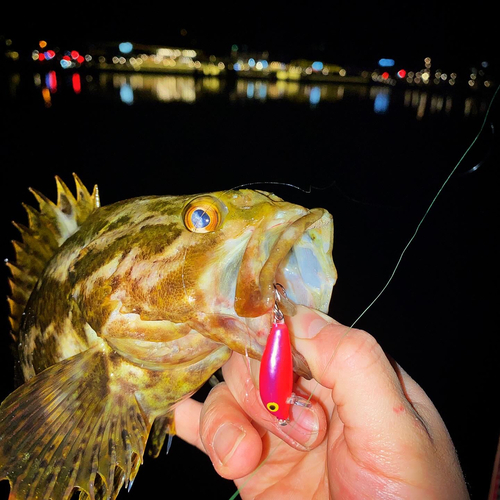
{"points": [[255, 291]]}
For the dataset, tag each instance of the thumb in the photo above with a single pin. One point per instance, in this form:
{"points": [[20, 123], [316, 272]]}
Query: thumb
{"points": [[350, 362]]}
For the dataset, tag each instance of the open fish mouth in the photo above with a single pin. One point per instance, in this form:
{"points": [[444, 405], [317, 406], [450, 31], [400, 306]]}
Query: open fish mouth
{"points": [[296, 254]]}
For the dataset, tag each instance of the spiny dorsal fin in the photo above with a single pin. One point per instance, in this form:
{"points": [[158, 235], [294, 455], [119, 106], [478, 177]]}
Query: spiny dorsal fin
{"points": [[48, 228]]}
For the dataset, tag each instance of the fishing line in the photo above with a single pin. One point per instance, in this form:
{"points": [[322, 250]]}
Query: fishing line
{"points": [[396, 267], [279, 183]]}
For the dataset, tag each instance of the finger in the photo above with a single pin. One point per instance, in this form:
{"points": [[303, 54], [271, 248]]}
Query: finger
{"points": [[307, 427], [187, 422], [422, 404], [228, 436], [365, 388], [389, 426]]}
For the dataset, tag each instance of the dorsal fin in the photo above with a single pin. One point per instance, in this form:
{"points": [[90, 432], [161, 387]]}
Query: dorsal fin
{"points": [[48, 228]]}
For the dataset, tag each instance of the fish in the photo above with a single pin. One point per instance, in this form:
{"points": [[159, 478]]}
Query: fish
{"points": [[119, 312]]}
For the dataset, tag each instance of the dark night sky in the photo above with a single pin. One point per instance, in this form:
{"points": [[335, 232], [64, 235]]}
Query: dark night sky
{"points": [[345, 32]]}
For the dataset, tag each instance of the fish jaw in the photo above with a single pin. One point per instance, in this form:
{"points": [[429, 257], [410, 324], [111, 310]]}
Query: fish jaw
{"points": [[298, 255]]}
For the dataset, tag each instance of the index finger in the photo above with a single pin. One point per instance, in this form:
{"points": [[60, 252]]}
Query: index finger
{"points": [[350, 362]]}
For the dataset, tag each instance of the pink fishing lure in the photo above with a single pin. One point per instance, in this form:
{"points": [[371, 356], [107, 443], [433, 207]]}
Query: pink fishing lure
{"points": [[276, 373]]}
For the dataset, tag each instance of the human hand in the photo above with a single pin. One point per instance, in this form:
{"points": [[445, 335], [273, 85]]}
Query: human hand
{"points": [[371, 431]]}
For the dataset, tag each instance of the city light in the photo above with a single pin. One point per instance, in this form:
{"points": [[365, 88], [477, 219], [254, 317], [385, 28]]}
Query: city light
{"points": [[76, 83], [317, 66], [386, 63], [381, 102], [126, 57], [125, 47], [126, 94]]}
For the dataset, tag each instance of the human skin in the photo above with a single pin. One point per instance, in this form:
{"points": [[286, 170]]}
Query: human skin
{"points": [[371, 431]]}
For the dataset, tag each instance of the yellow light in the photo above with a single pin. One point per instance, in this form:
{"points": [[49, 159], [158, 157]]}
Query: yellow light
{"points": [[42, 44], [46, 97]]}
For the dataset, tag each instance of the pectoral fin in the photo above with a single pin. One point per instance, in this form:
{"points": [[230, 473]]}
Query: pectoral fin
{"points": [[161, 427], [70, 428]]}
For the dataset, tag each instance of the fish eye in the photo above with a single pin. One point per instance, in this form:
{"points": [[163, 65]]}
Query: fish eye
{"points": [[203, 214]]}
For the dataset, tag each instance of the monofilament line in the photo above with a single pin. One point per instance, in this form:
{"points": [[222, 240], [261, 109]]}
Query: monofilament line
{"points": [[396, 267]]}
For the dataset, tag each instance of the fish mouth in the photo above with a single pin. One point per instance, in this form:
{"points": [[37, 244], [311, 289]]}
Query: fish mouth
{"points": [[297, 254]]}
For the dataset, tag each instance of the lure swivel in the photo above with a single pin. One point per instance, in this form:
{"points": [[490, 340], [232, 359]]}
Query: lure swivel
{"points": [[279, 291]]}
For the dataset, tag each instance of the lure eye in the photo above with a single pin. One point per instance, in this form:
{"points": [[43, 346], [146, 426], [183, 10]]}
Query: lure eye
{"points": [[272, 407], [203, 214]]}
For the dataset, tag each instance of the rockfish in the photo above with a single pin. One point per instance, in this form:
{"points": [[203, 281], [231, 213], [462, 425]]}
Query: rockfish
{"points": [[120, 312]]}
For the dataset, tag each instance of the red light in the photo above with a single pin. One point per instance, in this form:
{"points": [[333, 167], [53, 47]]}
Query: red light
{"points": [[75, 54], [41, 56], [401, 73], [66, 58], [385, 75], [51, 80], [77, 85], [80, 59]]}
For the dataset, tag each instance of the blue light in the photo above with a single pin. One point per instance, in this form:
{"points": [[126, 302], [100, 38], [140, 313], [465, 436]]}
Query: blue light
{"points": [[127, 94], [65, 64], [237, 67], [251, 62], [315, 95], [125, 47], [386, 63], [381, 103], [250, 90], [317, 66], [265, 64]]}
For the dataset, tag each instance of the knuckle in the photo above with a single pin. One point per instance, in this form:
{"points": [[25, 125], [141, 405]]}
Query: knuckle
{"points": [[359, 350]]}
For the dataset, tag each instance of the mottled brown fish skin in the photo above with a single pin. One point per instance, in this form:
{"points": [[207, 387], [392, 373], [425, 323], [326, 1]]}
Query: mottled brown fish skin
{"points": [[122, 275]]}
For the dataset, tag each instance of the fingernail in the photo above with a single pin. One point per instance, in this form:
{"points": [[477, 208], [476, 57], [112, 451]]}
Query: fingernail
{"points": [[305, 418], [311, 328], [315, 327], [226, 441], [308, 323], [305, 425]]}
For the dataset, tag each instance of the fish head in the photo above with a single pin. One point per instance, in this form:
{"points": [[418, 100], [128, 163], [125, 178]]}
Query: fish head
{"points": [[259, 240]]}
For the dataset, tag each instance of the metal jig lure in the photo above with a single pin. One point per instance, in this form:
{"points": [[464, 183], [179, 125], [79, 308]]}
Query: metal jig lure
{"points": [[276, 367]]}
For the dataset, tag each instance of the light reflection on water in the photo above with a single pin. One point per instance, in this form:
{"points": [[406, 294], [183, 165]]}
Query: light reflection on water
{"points": [[134, 88]]}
